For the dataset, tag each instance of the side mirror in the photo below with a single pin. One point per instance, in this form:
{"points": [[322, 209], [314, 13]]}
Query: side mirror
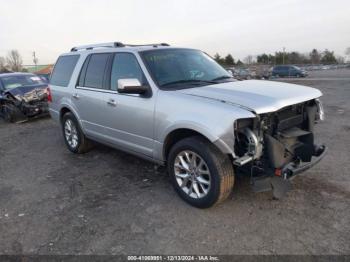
{"points": [[130, 86]]}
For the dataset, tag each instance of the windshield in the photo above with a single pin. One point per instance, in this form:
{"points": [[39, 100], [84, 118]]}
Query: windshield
{"points": [[11, 82], [171, 68]]}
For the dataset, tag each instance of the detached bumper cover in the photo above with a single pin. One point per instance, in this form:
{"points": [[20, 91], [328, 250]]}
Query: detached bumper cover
{"points": [[291, 170], [280, 185]]}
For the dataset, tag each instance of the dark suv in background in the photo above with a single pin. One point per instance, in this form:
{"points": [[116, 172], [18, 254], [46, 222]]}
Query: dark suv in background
{"points": [[288, 71]]}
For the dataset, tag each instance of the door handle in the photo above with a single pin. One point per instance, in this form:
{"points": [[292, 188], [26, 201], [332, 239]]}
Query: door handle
{"points": [[111, 102], [76, 96]]}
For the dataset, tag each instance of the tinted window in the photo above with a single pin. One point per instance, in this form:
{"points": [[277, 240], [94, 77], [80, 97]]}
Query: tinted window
{"points": [[125, 65], [95, 71], [63, 70]]}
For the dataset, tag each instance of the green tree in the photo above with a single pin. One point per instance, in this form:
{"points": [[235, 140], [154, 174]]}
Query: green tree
{"points": [[262, 59], [229, 60], [328, 57], [218, 58], [239, 63], [315, 56], [294, 58], [279, 58]]}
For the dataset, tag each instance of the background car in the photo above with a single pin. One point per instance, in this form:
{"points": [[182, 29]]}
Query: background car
{"points": [[242, 74], [288, 71], [44, 77], [22, 95]]}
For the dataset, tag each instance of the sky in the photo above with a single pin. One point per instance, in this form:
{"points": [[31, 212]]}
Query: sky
{"points": [[241, 28]]}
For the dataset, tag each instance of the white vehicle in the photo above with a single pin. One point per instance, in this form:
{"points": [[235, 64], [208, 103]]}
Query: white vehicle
{"points": [[178, 107]]}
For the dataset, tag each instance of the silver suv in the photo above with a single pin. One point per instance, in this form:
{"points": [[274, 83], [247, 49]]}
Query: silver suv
{"points": [[177, 106]]}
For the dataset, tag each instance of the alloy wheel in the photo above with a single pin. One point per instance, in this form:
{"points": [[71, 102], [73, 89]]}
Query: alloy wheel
{"points": [[71, 133], [192, 174]]}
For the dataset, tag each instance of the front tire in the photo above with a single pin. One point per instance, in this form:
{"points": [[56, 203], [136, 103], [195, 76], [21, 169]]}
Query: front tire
{"points": [[74, 137], [199, 172], [11, 113]]}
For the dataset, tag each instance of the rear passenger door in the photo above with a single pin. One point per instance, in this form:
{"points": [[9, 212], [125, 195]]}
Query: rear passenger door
{"points": [[90, 97]]}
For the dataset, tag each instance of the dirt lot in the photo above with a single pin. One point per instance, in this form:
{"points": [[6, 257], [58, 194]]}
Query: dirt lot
{"points": [[108, 202]]}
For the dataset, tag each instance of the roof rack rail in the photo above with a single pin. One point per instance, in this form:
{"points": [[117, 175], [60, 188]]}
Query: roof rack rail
{"points": [[112, 45], [155, 45], [102, 45]]}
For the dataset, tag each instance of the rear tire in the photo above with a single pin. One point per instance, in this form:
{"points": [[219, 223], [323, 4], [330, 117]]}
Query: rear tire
{"points": [[209, 188], [73, 136]]}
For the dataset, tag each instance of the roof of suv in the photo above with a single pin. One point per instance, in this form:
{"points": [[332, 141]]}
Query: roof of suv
{"points": [[116, 46]]}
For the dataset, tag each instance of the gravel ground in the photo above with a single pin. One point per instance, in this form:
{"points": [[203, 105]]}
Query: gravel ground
{"points": [[109, 202]]}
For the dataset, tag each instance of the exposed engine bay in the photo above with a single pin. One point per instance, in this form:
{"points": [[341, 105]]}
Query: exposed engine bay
{"points": [[279, 143], [21, 103]]}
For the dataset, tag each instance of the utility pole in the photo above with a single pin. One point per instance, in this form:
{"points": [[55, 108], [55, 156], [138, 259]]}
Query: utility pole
{"points": [[35, 60], [284, 52]]}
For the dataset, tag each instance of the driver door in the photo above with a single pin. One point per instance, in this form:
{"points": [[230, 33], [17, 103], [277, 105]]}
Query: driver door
{"points": [[131, 122]]}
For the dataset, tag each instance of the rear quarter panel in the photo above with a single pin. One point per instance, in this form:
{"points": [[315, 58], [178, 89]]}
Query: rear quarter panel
{"points": [[62, 95]]}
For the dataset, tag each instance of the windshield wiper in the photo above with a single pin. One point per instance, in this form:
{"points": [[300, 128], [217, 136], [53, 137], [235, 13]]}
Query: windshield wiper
{"points": [[189, 81], [221, 78]]}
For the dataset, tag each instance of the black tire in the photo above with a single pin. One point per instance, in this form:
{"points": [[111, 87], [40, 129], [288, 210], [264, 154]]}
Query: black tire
{"points": [[11, 113], [83, 144], [219, 165]]}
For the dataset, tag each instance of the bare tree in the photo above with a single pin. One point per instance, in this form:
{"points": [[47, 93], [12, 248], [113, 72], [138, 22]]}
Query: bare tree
{"points": [[248, 59], [347, 52], [14, 60], [2, 64], [35, 60], [340, 59]]}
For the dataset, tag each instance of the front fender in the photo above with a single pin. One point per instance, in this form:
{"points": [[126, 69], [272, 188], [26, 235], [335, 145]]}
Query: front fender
{"points": [[212, 119]]}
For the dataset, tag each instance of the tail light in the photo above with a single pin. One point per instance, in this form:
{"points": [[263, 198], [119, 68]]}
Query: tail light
{"points": [[49, 96]]}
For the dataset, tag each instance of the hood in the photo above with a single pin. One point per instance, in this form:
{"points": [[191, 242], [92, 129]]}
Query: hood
{"points": [[29, 93], [256, 95]]}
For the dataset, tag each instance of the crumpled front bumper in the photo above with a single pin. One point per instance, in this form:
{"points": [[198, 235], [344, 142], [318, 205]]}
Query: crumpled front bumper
{"points": [[35, 109]]}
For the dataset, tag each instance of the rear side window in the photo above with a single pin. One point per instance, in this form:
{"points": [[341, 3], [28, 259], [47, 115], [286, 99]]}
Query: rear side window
{"points": [[63, 70], [95, 72]]}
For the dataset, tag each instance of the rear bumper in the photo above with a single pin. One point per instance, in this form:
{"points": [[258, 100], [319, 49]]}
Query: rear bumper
{"points": [[291, 169]]}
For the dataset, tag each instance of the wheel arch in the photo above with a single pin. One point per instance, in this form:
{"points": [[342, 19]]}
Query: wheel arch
{"points": [[66, 109], [177, 134]]}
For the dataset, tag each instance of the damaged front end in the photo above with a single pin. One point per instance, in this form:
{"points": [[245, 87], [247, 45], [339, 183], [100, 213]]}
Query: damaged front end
{"points": [[21, 103], [274, 147]]}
